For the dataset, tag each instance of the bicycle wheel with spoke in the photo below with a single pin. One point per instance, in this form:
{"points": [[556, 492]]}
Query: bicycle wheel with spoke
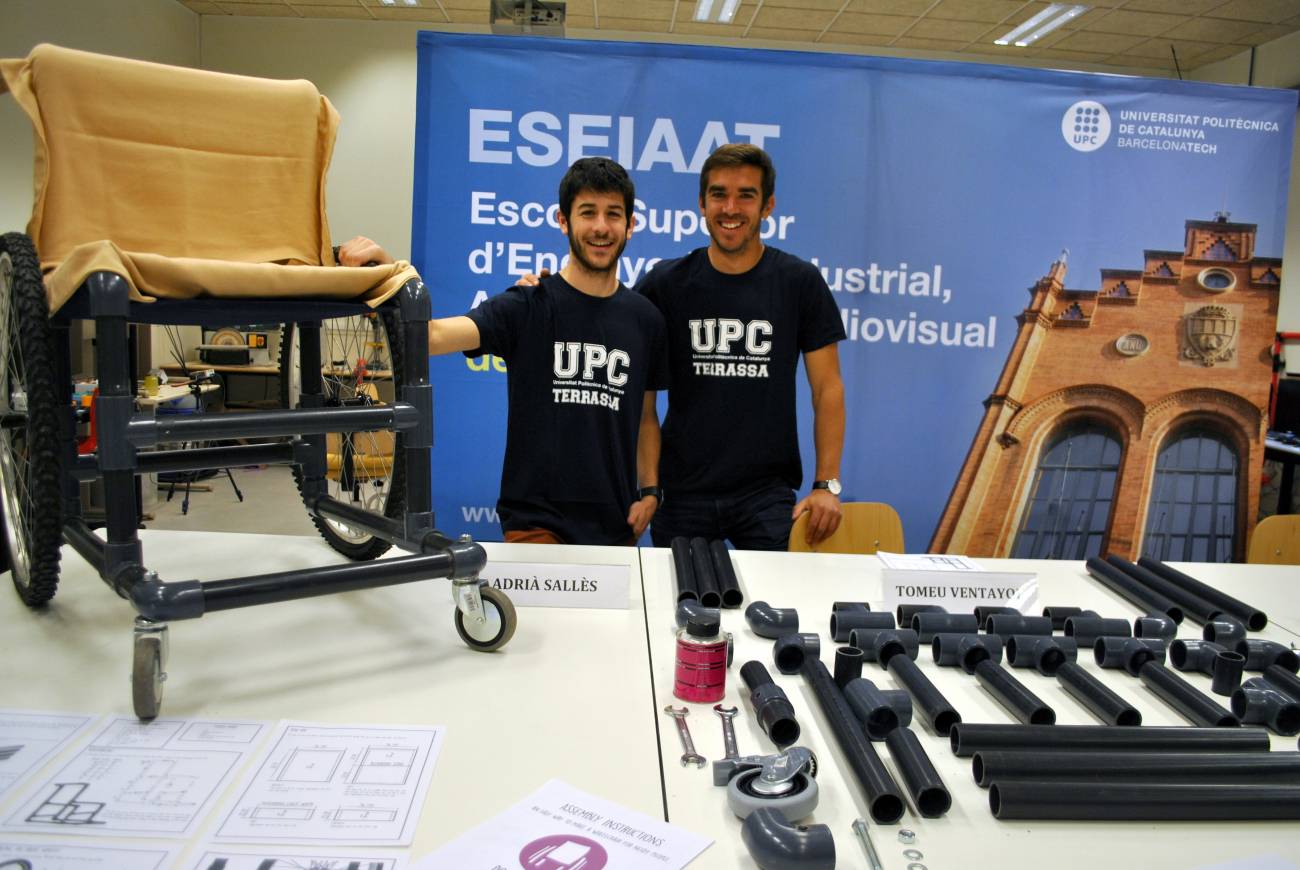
{"points": [[29, 427], [360, 365]]}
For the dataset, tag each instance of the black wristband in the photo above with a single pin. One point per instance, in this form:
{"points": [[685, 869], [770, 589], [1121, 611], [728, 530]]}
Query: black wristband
{"points": [[650, 490]]}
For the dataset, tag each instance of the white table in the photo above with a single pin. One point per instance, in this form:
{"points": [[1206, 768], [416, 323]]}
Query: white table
{"points": [[567, 697], [968, 836]]}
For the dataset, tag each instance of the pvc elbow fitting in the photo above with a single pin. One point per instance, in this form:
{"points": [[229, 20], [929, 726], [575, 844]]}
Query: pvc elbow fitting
{"points": [[1224, 630], [1043, 654], [845, 621], [1129, 653], [1258, 702], [966, 650], [690, 608], [1262, 653], [1194, 655], [789, 652], [1155, 625], [775, 844], [1086, 629], [881, 644], [1006, 625], [880, 712], [771, 622]]}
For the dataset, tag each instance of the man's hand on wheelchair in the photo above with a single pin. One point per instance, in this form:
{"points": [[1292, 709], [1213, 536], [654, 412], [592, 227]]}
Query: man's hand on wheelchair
{"points": [[362, 252], [531, 280]]}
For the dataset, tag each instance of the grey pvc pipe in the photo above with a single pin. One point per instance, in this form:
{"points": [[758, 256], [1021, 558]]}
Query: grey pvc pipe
{"points": [[1014, 695], [684, 569], [775, 844], [1283, 680], [1225, 673], [1193, 606], [771, 622], [1195, 767], [1131, 801], [772, 708], [968, 738], [706, 582], [923, 782], [1258, 702], [1126, 587], [848, 665], [1251, 617], [927, 625], [1195, 706], [929, 702], [1096, 696], [1086, 629], [885, 802], [905, 612], [725, 572]]}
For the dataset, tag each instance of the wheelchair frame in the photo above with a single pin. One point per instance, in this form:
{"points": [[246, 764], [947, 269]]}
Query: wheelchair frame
{"points": [[484, 618]]}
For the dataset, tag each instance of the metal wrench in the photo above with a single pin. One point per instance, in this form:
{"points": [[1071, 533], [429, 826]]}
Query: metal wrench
{"points": [[689, 756], [728, 730]]}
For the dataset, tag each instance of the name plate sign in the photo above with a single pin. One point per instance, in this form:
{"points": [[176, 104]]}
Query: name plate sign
{"points": [[559, 585], [954, 583]]}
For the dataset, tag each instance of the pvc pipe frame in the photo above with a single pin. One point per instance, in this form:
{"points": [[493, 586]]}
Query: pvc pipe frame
{"points": [[969, 738], [1130, 801], [1194, 767], [884, 801], [775, 844]]}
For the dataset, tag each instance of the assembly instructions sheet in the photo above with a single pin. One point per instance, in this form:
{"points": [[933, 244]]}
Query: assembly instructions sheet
{"points": [[61, 856], [559, 827], [322, 784], [138, 779], [28, 739]]}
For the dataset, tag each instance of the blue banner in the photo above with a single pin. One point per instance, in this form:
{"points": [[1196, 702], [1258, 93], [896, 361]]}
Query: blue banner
{"points": [[932, 195]]}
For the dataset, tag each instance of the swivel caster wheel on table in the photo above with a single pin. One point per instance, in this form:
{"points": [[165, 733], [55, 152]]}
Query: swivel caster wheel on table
{"points": [[148, 669], [498, 625], [797, 798]]}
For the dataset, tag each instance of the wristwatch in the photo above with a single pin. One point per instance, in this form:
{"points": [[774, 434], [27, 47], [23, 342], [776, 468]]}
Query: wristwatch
{"points": [[832, 486], [650, 490]]}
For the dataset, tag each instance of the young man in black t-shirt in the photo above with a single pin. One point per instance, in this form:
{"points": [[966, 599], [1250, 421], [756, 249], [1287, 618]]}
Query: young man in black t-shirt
{"points": [[739, 315], [584, 357]]}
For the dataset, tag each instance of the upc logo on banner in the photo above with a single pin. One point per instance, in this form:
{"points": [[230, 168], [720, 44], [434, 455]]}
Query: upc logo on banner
{"points": [[1086, 125]]}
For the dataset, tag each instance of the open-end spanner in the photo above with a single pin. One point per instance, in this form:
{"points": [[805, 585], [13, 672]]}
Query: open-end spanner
{"points": [[726, 714], [689, 756]]}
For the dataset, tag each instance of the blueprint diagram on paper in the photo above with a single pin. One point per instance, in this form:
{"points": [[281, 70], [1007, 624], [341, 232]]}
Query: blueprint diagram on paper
{"points": [[28, 739], [60, 856], [148, 779], [337, 784], [216, 858]]}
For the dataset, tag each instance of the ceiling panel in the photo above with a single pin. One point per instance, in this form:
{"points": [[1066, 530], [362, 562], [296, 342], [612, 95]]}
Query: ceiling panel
{"points": [[1117, 33]]}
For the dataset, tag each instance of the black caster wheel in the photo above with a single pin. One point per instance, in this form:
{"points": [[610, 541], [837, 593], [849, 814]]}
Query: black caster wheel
{"points": [[148, 673], [745, 794], [498, 627]]}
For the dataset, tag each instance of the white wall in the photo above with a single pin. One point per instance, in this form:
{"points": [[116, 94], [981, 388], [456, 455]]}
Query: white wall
{"points": [[1277, 65]]}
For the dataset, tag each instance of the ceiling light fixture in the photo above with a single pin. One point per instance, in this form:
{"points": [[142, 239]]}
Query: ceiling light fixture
{"points": [[1042, 24], [726, 12]]}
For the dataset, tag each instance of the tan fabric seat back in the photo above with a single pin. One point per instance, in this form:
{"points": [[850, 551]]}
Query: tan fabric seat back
{"points": [[174, 161]]}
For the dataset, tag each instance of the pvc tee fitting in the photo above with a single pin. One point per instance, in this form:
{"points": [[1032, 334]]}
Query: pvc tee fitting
{"points": [[1007, 625], [1194, 655], [1258, 702], [984, 611], [1086, 629], [905, 612], [881, 644], [1059, 615], [1262, 653], [771, 622], [789, 652], [845, 621], [966, 650], [1043, 654], [879, 711], [927, 625], [1129, 653]]}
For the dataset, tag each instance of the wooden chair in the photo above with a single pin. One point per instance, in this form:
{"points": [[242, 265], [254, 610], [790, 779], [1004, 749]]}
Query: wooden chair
{"points": [[867, 526], [1276, 541]]}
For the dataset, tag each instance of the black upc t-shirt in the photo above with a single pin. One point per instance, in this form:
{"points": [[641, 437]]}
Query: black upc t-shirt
{"points": [[734, 343], [578, 367]]}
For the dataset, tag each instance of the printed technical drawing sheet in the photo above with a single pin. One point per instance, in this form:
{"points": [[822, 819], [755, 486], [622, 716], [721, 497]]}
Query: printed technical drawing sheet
{"points": [[28, 739], [358, 784], [138, 779]]}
